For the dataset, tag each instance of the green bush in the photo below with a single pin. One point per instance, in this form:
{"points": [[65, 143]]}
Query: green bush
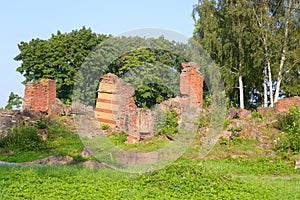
{"points": [[171, 124], [105, 126], [257, 115], [289, 124], [118, 138], [23, 139], [43, 123]]}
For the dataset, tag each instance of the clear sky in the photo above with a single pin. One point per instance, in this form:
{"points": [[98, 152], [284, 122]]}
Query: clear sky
{"points": [[25, 20]]}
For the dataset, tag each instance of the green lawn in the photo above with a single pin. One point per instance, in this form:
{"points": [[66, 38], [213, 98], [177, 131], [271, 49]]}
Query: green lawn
{"points": [[184, 179], [237, 169]]}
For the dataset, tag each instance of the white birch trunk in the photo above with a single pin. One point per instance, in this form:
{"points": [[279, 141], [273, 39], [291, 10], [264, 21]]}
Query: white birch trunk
{"points": [[241, 88], [265, 88], [283, 54], [270, 83]]}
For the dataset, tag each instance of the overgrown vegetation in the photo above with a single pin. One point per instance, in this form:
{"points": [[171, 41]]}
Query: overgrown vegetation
{"points": [[37, 140], [105, 126], [171, 123], [289, 124]]}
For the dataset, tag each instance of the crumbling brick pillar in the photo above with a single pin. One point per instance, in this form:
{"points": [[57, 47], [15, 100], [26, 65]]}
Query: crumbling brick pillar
{"points": [[39, 95], [106, 106], [115, 98], [191, 84], [140, 124]]}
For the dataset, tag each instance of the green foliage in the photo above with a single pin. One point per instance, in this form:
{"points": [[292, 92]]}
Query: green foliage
{"points": [[14, 101], [151, 94], [58, 58], [43, 123], [23, 139], [243, 37], [105, 126], [27, 144], [257, 115], [234, 138], [289, 124], [203, 121], [236, 133], [171, 123], [151, 144], [151, 65], [118, 138], [184, 179]]}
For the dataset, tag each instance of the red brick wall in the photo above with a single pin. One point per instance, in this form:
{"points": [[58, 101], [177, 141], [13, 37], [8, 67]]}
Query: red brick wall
{"points": [[38, 95], [283, 105], [191, 84]]}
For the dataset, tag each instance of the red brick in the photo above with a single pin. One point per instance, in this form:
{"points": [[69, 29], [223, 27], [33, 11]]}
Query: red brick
{"points": [[39, 95]]}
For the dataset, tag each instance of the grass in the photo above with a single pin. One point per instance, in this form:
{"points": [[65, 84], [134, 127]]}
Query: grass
{"points": [[184, 179], [148, 145], [237, 169], [59, 141]]}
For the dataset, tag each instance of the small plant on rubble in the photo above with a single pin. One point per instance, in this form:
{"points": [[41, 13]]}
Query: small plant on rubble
{"points": [[105, 126], [171, 124]]}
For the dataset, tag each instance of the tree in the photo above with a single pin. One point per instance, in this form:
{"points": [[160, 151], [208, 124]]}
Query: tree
{"points": [[78, 59], [223, 29], [57, 58], [14, 102], [277, 27], [255, 43], [145, 67], [145, 63]]}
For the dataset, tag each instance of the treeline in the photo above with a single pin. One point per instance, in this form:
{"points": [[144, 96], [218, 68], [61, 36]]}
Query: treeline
{"points": [[256, 44], [78, 59]]}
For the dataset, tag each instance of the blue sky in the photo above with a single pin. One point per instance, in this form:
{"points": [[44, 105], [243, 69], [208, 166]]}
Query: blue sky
{"points": [[25, 20]]}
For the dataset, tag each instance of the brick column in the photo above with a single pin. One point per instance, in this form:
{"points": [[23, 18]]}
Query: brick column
{"points": [[39, 95]]}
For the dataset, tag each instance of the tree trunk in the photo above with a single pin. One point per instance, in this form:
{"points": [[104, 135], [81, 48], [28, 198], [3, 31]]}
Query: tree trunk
{"points": [[270, 83], [241, 88], [265, 88], [283, 54]]}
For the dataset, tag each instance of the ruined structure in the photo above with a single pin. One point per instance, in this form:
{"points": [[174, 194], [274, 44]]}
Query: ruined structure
{"points": [[140, 124], [115, 103], [39, 95], [282, 105], [8, 119], [115, 98], [191, 84]]}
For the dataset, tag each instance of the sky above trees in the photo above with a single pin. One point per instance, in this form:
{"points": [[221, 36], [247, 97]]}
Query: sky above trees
{"points": [[26, 20]]}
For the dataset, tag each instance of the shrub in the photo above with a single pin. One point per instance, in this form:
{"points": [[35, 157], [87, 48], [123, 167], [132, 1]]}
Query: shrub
{"points": [[24, 139], [289, 124], [105, 126], [118, 138], [171, 124], [257, 115], [43, 123]]}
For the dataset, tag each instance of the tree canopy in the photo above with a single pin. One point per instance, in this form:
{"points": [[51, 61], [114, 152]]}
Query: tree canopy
{"points": [[79, 59], [57, 58], [254, 43]]}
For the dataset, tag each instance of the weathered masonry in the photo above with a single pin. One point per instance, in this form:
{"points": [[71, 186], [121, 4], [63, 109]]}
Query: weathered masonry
{"points": [[39, 95], [115, 103]]}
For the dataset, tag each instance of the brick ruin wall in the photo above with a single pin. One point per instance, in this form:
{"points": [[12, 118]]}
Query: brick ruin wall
{"points": [[115, 103], [37, 99], [39, 95], [115, 99], [191, 84], [8, 119], [282, 105]]}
